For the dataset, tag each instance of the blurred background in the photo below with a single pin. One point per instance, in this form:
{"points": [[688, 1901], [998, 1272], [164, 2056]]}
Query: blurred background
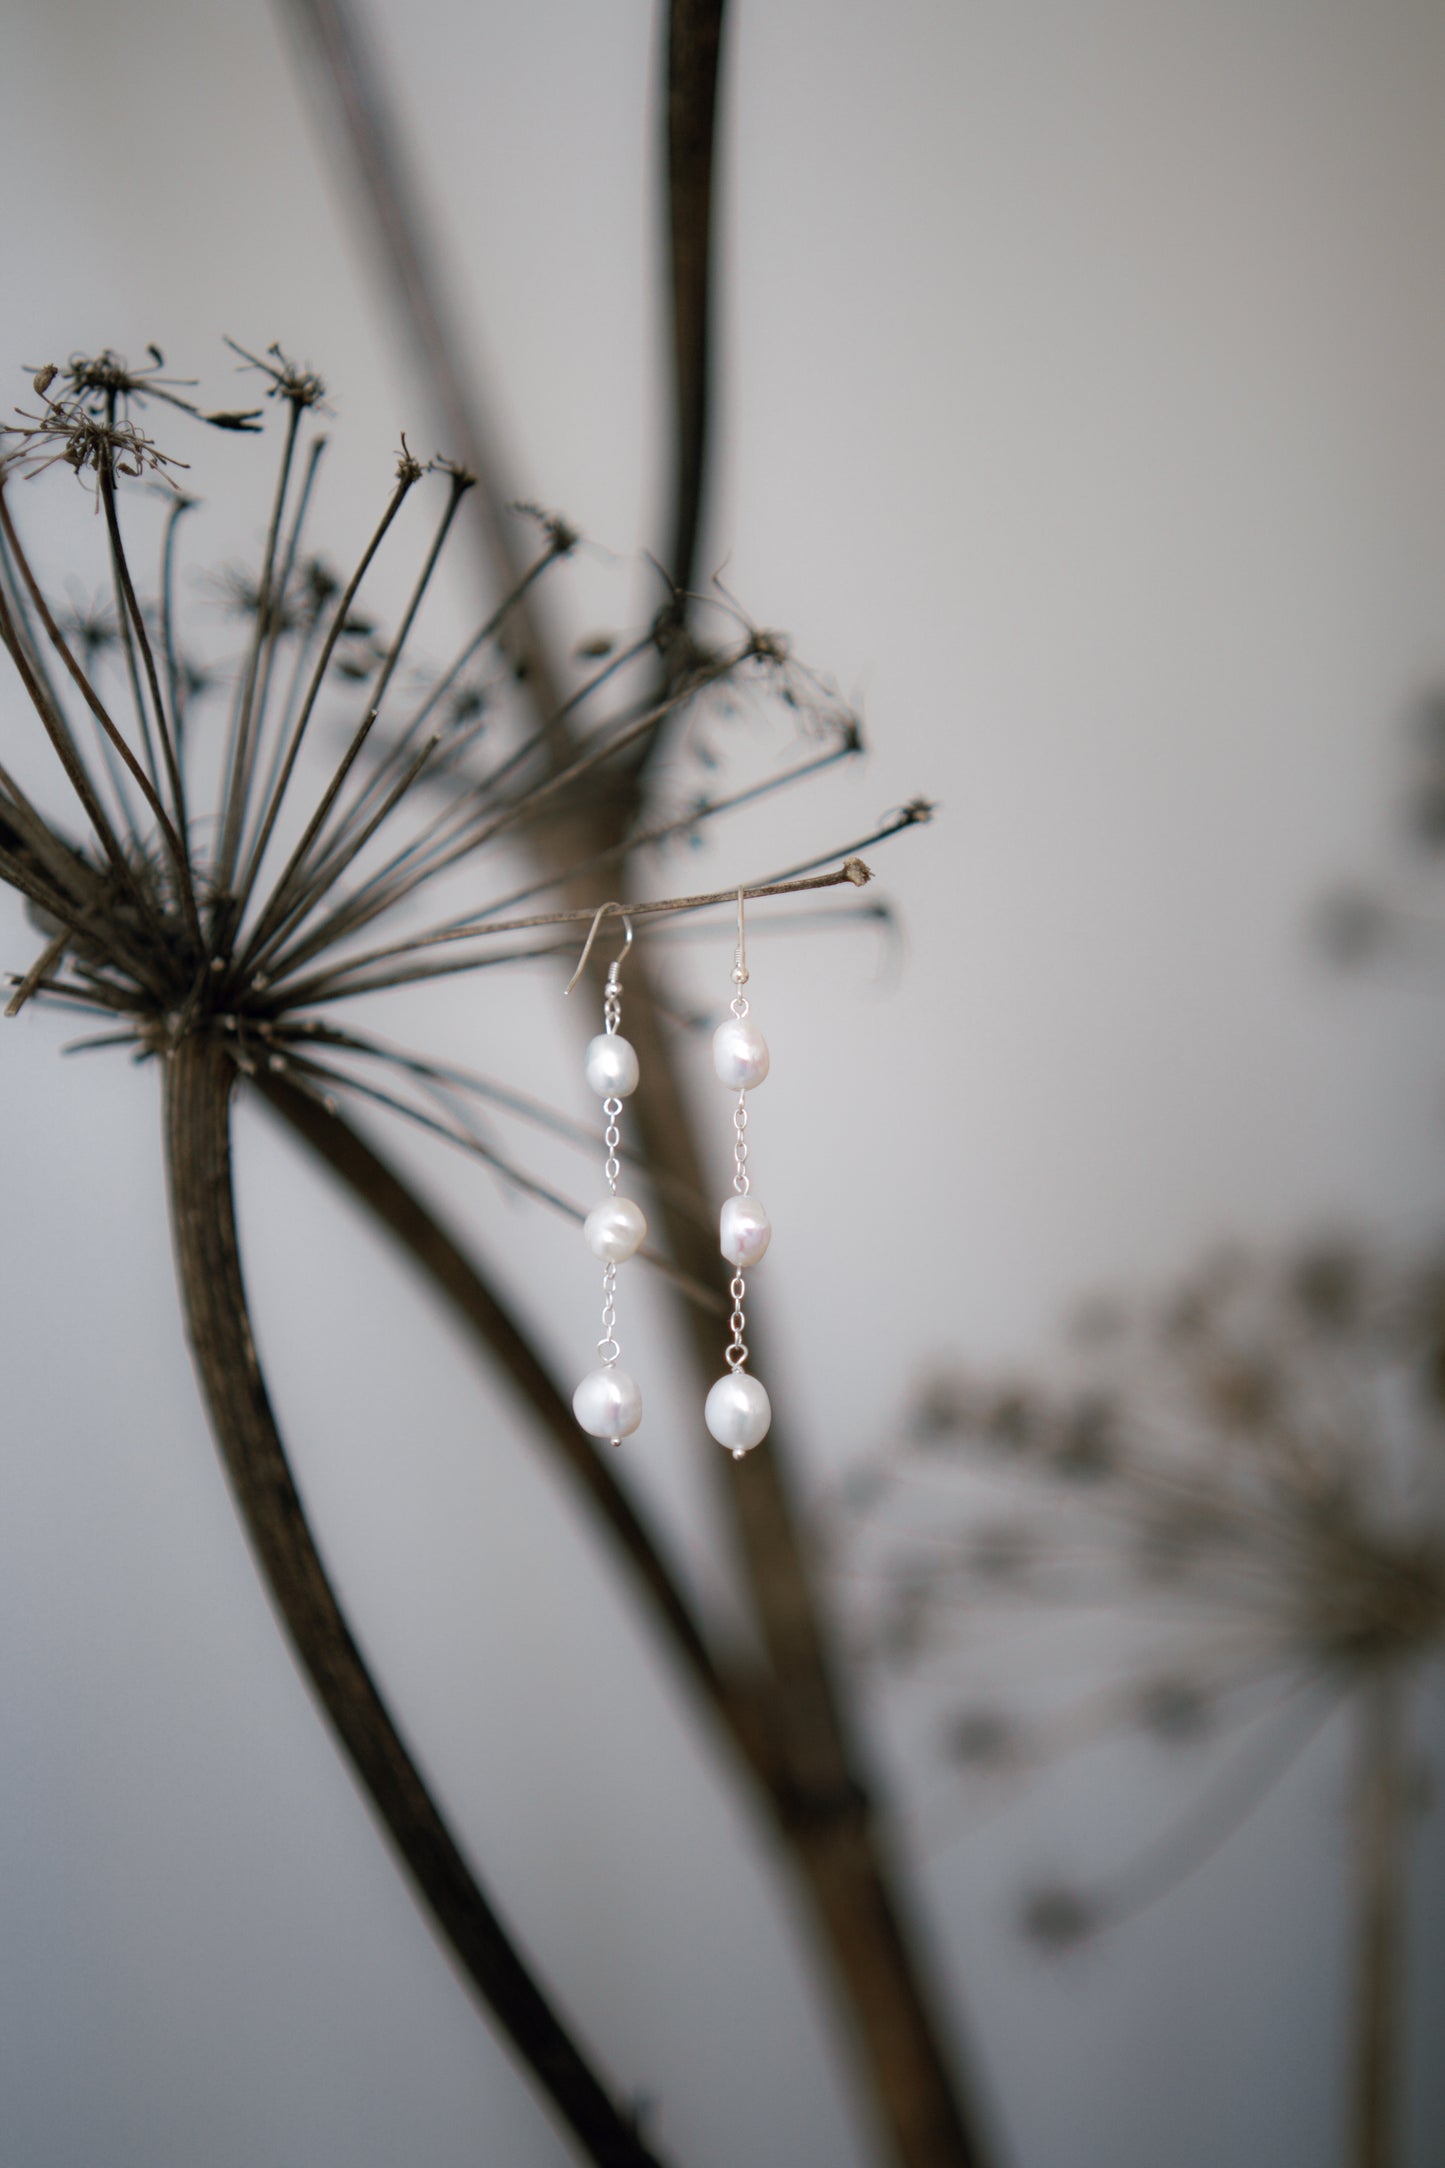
{"points": [[1079, 415]]}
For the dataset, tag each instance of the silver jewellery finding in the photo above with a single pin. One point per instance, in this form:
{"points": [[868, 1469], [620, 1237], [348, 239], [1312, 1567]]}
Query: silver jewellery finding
{"points": [[738, 1411], [608, 1403]]}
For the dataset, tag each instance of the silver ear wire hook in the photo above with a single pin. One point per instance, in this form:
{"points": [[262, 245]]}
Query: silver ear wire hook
{"points": [[740, 965], [614, 969]]}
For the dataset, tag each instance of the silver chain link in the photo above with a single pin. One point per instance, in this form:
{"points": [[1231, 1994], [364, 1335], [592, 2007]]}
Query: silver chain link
{"points": [[612, 1138], [738, 1351], [609, 1318], [607, 1347], [740, 1145]]}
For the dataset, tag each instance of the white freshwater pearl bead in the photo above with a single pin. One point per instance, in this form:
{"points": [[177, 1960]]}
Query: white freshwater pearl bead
{"points": [[608, 1404], [610, 1066], [615, 1230], [739, 1054], [738, 1412], [745, 1230]]}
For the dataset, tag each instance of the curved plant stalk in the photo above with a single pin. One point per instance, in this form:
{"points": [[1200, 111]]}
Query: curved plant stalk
{"points": [[332, 44], [1381, 1837], [818, 1793], [785, 1728], [376, 1185], [199, 1082], [694, 45]]}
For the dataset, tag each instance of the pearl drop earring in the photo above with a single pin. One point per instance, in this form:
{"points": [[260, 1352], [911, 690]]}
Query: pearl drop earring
{"points": [[608, 1403], [738, 1410]]}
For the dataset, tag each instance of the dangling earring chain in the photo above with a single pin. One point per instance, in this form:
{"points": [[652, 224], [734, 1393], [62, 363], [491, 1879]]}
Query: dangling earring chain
{"points": [[737, 1353], [738, 1411], [607, 1347], [607, 1403]]}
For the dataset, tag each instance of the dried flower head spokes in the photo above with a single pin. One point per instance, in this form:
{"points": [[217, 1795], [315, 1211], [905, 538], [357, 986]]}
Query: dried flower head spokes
{"points": [[1227, 1526], [257, 835], [65, 431]]}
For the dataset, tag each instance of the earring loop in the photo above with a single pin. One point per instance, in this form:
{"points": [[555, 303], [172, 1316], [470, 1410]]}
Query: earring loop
{"points": [[614, 969]]}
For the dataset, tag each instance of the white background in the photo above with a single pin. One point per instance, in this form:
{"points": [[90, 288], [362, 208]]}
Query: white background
{"points": [[1082, 398]]}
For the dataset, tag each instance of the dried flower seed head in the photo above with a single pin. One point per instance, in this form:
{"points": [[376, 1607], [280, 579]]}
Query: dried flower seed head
{"points": [[299, 386], [66, 432], [91, 626], [1260, 1543], [458, 476], [106, 386], [254, 866], [562, 536]]}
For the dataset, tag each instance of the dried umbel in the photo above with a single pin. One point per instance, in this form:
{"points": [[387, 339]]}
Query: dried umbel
{"points": [[255, 842], [1230, 1518], [259, 839]]}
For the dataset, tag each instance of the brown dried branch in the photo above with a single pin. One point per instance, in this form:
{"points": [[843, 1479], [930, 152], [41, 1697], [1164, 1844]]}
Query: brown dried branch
{"points": [[375, 1184], [199, 1079], [694, 39], [356, 114], [819, 1793], [821, 1796]]}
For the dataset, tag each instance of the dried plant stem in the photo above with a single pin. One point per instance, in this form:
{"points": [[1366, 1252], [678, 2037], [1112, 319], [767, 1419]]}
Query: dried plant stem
{"points": [[199, 1080], [819, 1799], [292, 894], [688, 823], [787, 1730], [820, 1796], [1381, 1837], [263, 640], [133, 619], [341, 980], [406, 477], [64, 745], [479, 1308], [333, 46], [181, 506], [48, 708], [694, 39]]}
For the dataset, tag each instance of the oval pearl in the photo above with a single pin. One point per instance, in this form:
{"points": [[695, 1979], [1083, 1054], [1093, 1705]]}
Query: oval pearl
{"points": [[745, 1230], [615, 1230], [610, 1066], [608, 1404], [738, 1412], [739, 1054]]}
